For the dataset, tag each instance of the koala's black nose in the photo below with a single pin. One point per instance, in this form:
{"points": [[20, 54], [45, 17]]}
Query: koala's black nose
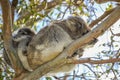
{"points": [[85, 32], [13, 37]]}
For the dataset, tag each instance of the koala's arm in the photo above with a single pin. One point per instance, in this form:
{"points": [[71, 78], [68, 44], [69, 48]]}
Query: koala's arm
{"points": [[22, 52]]}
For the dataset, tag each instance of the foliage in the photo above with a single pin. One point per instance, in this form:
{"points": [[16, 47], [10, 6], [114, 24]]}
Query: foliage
{"points": [[38, 13]]}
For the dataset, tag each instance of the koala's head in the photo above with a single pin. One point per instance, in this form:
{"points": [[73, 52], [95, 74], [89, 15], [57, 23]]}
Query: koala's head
{"points": [[23, 33], [77, 26]]}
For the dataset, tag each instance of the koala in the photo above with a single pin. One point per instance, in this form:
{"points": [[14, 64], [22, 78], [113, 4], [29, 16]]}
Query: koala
{"points": [[50, 41], [20, 41]]}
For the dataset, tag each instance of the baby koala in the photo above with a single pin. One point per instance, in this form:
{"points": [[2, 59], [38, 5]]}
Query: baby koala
{"points": [[20, 43]]}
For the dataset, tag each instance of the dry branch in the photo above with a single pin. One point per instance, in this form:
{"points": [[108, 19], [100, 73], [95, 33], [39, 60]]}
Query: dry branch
{"points": [[61, 59]]}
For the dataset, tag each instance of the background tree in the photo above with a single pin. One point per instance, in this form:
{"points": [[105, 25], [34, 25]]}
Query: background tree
{"points": [[38, 13]]}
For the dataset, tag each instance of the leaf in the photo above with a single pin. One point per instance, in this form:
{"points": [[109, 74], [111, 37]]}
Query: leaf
{"points": [[48, 78], [80, 8], [110, 6], [58, 8], [51, 13]]}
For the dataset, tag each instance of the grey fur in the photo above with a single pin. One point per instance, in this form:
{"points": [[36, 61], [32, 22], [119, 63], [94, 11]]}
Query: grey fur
{"points": [[22, 39]]}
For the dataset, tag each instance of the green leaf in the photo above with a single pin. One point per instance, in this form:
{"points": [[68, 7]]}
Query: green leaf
{"points": [[80, 8], [48, 78], [110, 6], [58, 8]]}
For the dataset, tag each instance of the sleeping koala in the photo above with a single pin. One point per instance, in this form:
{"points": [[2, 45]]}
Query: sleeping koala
{"points": [[50, 41]]}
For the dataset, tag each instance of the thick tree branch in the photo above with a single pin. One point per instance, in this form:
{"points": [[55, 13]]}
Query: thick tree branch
{"points": [[61, 59], [7, 35], [6, 14]]}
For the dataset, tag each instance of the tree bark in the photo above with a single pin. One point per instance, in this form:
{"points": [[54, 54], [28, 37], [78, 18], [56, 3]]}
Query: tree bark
{"points": [[7, 36], [90, 61]]}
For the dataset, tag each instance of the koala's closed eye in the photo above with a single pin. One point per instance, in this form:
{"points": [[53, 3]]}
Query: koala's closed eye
{"points": [[85, 32], [22, 32]]}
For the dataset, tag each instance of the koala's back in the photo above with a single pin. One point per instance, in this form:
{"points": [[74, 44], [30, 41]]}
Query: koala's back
{"points": [[51, 40], [47, 44]]}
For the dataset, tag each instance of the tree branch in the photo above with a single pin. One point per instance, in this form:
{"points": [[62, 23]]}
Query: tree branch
{"points": [[61, 59], [106, 13], [88, 60], [7, 36], [6, 14], [118, 34]]}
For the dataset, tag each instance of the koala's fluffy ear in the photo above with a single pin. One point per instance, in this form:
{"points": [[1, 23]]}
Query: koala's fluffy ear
{"points": [[26, 31]]}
